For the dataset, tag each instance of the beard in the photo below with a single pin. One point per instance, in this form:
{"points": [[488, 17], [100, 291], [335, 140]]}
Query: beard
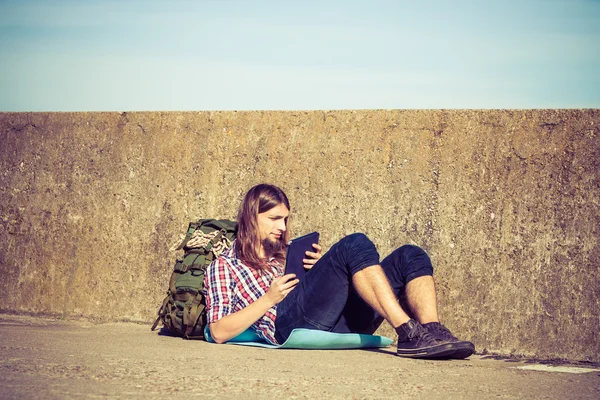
{"points": [[272, 247]]}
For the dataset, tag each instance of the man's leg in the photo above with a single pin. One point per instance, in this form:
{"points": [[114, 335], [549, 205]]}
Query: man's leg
{"points": [[409, 273], [318, 301], [413, 340], [422, 300], [324, 293], [374, 288]]}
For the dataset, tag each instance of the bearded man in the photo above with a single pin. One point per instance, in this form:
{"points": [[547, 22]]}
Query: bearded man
{"points": [[347, 290]]}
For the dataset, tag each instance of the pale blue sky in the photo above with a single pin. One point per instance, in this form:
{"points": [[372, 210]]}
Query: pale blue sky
{"points": [[69, 55]]}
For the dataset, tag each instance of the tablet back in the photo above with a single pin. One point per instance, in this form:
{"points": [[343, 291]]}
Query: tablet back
{"points": [[296, 251]]}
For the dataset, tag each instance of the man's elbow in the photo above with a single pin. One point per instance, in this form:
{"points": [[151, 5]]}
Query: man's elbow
{"points": [[216, 335], [219, 340]]}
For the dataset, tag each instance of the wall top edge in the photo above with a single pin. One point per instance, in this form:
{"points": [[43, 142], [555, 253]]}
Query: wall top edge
{"points": [[482, 110]]}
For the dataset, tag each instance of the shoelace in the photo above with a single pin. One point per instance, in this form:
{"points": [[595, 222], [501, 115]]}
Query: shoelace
{"points": [[444, 332], [421, 334]]}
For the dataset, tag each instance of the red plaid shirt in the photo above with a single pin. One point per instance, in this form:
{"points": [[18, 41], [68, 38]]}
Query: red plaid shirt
{"points": [[229, 286]]}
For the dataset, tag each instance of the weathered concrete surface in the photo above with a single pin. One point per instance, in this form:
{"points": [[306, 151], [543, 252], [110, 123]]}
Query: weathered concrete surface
{"points": [[506, 203], [44, 358]]}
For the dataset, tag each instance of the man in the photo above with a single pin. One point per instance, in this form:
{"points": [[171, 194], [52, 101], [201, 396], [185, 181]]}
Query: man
{"points": [[346, 290]]}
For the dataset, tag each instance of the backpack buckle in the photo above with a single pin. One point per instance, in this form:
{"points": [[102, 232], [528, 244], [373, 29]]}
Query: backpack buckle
{"points": [[180, 266]]}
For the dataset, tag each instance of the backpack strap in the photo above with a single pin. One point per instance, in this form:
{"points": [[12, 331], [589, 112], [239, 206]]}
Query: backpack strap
{"points": [[215, 240], [191, 313], [162, 311], [190, 232], [191, 262]]}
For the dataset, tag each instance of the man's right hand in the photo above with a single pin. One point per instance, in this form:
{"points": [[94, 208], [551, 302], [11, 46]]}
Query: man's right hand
{"points": [[281, 287]]}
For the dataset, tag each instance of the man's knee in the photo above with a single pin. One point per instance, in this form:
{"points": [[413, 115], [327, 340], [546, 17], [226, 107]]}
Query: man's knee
{"points": [[357, 251], [411, 252], [355, 239], [413, 262]]}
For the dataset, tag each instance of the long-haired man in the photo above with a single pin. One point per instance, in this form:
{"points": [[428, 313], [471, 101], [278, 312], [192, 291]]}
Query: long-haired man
{"points": [[348, 289]]}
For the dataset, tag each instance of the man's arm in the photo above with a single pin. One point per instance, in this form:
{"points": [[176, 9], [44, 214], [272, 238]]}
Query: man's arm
{"points": [[233, 324]]}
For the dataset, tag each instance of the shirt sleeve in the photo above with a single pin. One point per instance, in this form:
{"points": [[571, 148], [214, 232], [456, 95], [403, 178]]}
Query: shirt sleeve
{"points": [[219, 286]]}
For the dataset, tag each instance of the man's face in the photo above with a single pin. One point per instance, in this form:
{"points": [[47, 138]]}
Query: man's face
{"points": [[271, 226]]}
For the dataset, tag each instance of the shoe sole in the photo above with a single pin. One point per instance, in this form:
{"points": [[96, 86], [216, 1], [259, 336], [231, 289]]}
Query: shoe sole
{"points": [[462, 350], [453, 350], [440, 351]]}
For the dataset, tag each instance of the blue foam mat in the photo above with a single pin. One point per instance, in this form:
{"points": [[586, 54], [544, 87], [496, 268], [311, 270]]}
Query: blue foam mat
{"points": [[310, 339]]}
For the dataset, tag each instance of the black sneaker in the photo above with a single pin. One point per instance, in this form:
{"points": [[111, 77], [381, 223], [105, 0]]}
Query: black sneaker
{"points": [[463, 348], [414, 341]]}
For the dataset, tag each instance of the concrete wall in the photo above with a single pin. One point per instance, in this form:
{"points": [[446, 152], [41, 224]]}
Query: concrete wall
{"points": [[506, 203]]}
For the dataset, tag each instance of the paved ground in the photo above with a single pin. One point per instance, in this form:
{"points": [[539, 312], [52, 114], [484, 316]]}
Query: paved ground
{"points": [[49, 358]]}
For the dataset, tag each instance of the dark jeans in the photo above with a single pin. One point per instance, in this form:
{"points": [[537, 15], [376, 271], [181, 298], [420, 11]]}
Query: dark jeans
{"points": [[325, 298]]}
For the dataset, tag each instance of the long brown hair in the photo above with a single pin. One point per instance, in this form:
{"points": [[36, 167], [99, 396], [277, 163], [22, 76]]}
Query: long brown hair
{"points": [[259, 199]]}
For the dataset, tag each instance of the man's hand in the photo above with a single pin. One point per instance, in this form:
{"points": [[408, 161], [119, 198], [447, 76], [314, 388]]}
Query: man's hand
{"points": [[280, 287], [312, 257]]}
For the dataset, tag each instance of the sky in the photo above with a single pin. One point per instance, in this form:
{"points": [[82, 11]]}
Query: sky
{"points": [[93, 55]]}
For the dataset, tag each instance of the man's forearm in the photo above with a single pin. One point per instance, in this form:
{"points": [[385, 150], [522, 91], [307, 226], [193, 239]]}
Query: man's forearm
{"points": [[233, 324]]}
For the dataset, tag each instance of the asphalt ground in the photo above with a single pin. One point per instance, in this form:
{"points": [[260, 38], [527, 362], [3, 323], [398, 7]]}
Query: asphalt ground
{"points": [[48, 358]]}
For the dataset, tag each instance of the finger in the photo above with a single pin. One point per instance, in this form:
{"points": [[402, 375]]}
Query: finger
{"points": [[309, 261], [287, 277], [317, 247], [290, 284], [287, 291], [308, 266], [313, 255]]}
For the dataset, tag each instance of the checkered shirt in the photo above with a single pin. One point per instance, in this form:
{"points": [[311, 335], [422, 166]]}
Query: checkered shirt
{"points": [[229, 286]]}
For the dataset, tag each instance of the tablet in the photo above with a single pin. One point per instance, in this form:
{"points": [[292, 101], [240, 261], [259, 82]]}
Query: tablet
{"points": [[296, 251]]}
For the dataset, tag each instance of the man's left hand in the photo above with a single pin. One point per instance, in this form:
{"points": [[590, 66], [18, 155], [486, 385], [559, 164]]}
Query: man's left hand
{"points": [[312, 257]]}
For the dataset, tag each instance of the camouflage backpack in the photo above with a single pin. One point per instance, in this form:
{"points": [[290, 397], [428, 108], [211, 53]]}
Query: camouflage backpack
{"points": [[182, 311]]}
